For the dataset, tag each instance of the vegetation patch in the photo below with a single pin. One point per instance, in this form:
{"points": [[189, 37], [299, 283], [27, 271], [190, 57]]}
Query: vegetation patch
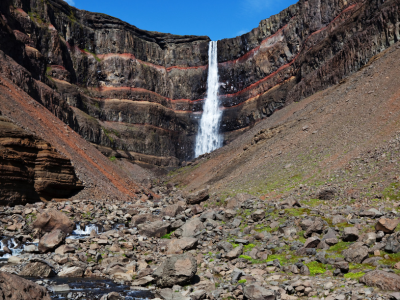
{"points": [[354, 275], [316, 268]]}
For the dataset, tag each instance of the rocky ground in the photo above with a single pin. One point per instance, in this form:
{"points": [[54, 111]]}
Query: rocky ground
{"points": [[186, 247]]}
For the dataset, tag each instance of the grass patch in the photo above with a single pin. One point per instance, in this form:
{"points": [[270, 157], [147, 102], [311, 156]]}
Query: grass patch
{"points": [[354, 275], [167, 236], [113, 158], [312, 202], [339, 247], [316, 268]]}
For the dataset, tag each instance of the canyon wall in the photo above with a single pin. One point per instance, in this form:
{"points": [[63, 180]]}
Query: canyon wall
{"points": [[139, 94], [30, 169]]}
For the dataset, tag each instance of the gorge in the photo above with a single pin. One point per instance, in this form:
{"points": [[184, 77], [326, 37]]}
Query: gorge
{"points": [[138, 95], [136, 164]]}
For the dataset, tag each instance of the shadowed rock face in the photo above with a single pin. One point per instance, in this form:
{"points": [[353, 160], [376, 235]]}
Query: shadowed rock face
{"points": [[140, 93], [30, 169]]}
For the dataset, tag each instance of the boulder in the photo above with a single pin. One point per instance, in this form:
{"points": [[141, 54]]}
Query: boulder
{"points": [[191, 227], [238, 200], [13, 287], [226, 246], [350, 234], [312, 242], [170, 294], [65, 249], [177, 269], [37, 269], [387, 225], [257, 292], [178, 246], [258, 215], [140, 219], [71, 272], [197, 197], [393, 243], [342, 265], [235, 252], [338, 219], [53, 219], [384, 280], [143, 281], [51, 240], [31, 249], [317, 226], [230, 213], [356, 253], [155, 229], [171, 210], [326, 194]]}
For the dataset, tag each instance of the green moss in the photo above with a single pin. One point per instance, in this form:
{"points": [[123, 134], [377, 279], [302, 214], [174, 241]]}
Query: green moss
{"points": [[242, 281], [167, 236], [392, 192], [354, 275], [339, 247], [113, 158], [316, 268], [312, 202], [248, 247]]}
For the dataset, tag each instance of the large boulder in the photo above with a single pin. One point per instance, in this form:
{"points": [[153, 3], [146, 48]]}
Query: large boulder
{"points": [[238, 200], [37, 269], [54, 219], [384, 280], [356, 253], [235, 252], [317, 226], [71, 272], [191, 227], [387, 225], [178, 246], [393, 243], [155, 229], [140, 219], [197, 197], [258, 215], [171, 210], [350, 234], [51, 240], [257, 292], [177, 269], [13, 287]]}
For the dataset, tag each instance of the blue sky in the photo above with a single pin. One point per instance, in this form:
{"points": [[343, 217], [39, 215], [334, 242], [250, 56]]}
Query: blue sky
{"points": [[217, 19]]}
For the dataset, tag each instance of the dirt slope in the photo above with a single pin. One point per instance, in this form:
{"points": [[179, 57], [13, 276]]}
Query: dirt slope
{"points": [[101, 177], [345, 138]]}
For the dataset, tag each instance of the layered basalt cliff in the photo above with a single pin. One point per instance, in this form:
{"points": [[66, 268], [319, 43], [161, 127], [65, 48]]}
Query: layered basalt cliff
{"points": [[140, 93], [30, 169]]}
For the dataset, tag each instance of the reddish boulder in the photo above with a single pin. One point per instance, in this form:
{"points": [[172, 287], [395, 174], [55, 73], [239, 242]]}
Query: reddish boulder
{"points": [[54, 219], [13, 287], [387, 225], [51, 240]]}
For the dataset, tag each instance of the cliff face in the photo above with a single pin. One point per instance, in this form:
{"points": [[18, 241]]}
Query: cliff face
{"points": [[30, 169], [140, 93]]}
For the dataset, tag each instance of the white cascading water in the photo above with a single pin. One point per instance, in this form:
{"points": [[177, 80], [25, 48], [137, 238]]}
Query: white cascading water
{"points": [[209, 138]]}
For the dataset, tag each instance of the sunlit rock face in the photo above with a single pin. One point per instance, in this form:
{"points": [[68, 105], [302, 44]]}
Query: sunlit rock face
{"points": [[139, 94]]}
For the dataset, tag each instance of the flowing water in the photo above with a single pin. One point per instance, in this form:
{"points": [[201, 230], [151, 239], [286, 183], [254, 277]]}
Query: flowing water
{"points": [[209, 138]]}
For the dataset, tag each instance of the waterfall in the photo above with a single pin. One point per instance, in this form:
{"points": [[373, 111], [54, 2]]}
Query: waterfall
{"points": [[209, 138]]}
